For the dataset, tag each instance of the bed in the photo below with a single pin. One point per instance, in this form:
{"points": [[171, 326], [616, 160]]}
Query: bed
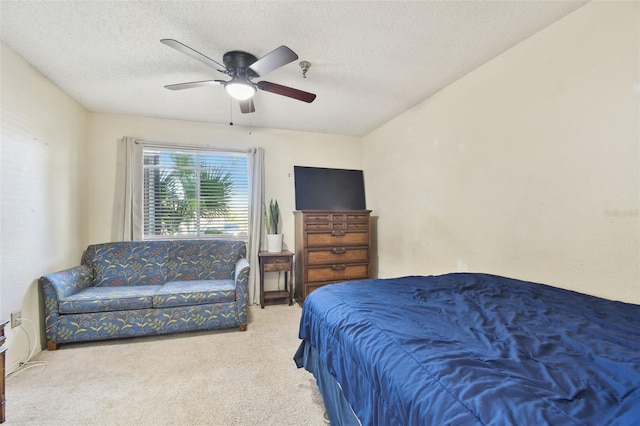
{"points": [[467, 349]]}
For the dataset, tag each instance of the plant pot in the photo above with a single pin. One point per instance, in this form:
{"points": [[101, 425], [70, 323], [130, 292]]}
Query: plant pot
{"points": [[274, 243]]}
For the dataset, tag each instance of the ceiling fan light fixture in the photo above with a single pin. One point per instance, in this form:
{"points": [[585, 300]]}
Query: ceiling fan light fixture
{"points": [[240, 90]]}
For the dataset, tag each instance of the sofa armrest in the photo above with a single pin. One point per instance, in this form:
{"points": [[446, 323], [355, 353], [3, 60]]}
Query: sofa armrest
{"points": [[65, 283], [241, 278], [57, 286]]}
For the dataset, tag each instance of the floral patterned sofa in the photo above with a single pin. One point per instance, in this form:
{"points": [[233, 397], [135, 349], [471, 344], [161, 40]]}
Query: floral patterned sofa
{"points": [[138, 288]]}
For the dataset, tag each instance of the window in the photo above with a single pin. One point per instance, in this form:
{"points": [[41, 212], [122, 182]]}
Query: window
{"points": [[194, 193]]}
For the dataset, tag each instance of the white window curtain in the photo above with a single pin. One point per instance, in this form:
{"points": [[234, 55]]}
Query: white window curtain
{"points": [[127, 212], [127, 220], [256, 220]]}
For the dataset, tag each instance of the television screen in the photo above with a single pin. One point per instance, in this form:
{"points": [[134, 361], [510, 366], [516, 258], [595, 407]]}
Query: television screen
{"points": [[328, 189]]}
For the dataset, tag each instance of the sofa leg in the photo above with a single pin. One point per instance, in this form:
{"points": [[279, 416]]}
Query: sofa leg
{"points": [[52, 346], [243, 327]]}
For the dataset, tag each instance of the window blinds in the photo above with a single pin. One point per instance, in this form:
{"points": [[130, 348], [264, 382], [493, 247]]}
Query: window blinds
{"points": [[195, 193]]}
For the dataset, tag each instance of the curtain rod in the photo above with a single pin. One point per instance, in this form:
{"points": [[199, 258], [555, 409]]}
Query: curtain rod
{"points": [[153, 144]]}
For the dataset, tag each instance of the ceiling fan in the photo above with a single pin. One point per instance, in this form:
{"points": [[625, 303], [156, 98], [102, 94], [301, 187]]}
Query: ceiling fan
{"points": [[243, 67]]}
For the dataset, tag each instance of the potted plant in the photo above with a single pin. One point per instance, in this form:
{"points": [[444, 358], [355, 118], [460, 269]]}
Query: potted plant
{"points": [[271, 223]]}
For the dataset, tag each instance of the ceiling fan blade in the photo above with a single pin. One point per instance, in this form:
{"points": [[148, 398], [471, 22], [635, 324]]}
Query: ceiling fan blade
{"points": [[191, 84], [193, 53], [290, 92], [246, 106], [273, 60]]}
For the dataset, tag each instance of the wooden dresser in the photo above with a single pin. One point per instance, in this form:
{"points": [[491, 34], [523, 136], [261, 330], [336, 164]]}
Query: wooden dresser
{"points": [[331, 246]]}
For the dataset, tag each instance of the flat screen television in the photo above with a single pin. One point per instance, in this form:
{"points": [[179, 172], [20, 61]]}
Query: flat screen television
{"points": [[320, 188]]}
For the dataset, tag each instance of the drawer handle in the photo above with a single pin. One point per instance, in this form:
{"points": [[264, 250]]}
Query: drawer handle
{"points": [[338, 267], [339, 250], [337, 233]]}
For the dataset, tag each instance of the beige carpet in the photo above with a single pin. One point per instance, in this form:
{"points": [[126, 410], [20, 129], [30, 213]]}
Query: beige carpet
{"points": [[199, 378]]}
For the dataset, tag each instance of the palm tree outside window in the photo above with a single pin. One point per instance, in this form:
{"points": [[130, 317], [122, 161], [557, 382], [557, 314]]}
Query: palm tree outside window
{"points": [[195, 194]]}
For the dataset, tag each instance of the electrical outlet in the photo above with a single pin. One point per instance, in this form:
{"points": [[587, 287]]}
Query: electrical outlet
{"points": [[16, 318]]}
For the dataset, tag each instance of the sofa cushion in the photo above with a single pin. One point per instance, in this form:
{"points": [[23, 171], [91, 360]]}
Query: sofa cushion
{"points": [[199, 292], [104, 299], [191, 260], [128, 263]]}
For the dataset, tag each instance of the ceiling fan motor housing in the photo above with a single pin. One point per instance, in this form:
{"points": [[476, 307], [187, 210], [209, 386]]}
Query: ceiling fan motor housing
{"points": [[238, 62]]}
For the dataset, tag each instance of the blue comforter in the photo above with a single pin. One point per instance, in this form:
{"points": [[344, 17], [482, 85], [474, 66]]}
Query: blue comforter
{"points": [[466, 349]]}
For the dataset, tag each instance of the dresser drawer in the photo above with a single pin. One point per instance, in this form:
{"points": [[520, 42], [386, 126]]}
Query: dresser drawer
{"points": [[338, 272], [328, 226], [320, 226], [277, 267], [337, 238], [318, 217], [276, 263], [361, 217], [336, 255], [309, 287]]}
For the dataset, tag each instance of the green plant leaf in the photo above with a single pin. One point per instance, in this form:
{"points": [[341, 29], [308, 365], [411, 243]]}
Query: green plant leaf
{"points": [[272, 217]]}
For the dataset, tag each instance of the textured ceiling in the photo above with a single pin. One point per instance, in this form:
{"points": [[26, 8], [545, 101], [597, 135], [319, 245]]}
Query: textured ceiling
{"points": [[371, 60]]}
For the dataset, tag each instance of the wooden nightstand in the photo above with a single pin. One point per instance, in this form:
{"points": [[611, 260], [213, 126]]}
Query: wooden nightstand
{"points": [[2, 380], [276, 262]]}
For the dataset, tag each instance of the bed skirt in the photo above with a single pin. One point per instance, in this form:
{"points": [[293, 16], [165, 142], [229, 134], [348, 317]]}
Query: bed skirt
{"points": [[338, 409]]}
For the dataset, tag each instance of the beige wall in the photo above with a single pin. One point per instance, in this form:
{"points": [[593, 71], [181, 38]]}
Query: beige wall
{"points": [[527, 167], [42, 198], [283, 150]]}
